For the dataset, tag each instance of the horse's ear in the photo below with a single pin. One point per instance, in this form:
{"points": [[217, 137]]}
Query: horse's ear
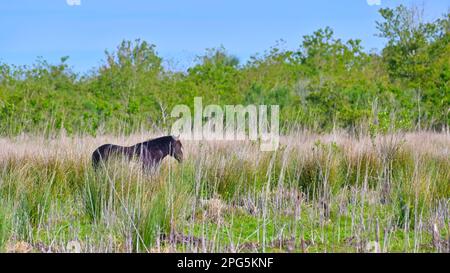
{"points": [[177, 140]]}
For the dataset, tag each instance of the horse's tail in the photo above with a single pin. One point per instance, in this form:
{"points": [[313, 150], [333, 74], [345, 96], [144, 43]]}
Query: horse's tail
{"points": [[101, 153], [95, 159]]}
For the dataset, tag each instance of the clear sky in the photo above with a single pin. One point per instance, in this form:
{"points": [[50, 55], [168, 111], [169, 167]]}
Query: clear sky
{"points": [[181, 29]]}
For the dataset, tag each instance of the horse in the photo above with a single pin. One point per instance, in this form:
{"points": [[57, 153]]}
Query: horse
{"points": [[150, 152]]}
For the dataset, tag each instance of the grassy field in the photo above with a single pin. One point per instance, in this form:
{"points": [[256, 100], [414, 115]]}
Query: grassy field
{"points": [[317, 193]]}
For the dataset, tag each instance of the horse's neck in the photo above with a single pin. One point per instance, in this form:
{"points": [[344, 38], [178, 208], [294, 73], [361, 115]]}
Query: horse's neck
{"points": [[163, 147]]}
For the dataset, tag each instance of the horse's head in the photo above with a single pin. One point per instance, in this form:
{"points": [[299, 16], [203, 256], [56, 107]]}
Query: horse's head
{"points": [[177, 149]]}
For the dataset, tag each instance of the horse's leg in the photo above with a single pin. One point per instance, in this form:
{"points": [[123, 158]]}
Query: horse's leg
{"points": [[150, 162], [145, 161]]}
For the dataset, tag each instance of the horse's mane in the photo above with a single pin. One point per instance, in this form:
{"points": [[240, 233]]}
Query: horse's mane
{"points": [[159, 142]]}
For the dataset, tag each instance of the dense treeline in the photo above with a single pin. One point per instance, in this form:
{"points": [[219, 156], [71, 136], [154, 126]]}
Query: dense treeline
{"points": [[325, 83]]}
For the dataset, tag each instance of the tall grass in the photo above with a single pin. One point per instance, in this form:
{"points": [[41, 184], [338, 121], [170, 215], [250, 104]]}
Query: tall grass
{"points": [[317, 193]]}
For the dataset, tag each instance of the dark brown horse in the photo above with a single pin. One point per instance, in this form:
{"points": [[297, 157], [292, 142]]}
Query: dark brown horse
{"points": [[150, 153]]}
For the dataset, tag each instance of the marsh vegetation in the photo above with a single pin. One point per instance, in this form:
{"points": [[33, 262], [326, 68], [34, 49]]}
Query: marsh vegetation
{"points": [[318, 193]]}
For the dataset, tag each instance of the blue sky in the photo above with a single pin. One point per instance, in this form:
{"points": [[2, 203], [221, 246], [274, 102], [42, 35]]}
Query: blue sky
{"points": [[181, 29]]}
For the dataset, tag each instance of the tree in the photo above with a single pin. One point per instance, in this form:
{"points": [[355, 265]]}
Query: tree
{"points": [[216, 76], [408, 40]]}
